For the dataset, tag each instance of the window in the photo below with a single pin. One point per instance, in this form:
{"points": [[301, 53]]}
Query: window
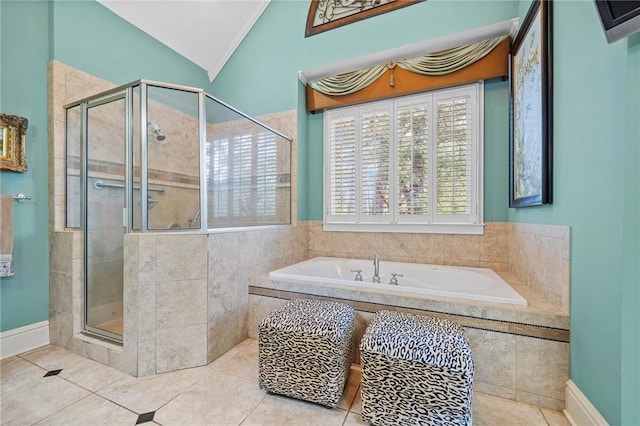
{"points": [[408, 164], [242, 176]]}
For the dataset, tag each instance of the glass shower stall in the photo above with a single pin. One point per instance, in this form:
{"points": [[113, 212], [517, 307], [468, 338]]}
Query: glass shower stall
{"points": [[159, 157]]}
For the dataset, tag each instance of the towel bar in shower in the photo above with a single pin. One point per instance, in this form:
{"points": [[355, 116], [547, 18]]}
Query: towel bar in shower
{"points": [[98, 184]]}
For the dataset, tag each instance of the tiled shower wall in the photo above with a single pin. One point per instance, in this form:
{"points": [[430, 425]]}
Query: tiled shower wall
{"points": [[186, 298]]}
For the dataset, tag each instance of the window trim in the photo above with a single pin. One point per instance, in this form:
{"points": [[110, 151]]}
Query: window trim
{"points": [[332, 223]]}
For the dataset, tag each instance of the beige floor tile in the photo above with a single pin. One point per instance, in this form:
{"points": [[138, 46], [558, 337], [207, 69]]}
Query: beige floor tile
{"points": [[554, 418], [490, 410], [354, 419], [35, 400], [224, 393], [356, 406], [52, 357], [242, 363], [276, 410], [15, 372], [146, 394], [228, 355], [350, 389], [92, 410], [218, 399], [92, 375]]}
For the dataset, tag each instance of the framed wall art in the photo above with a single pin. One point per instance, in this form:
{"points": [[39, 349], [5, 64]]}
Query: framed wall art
{"points": [[531, 131], [13, 131], [325, 15]]}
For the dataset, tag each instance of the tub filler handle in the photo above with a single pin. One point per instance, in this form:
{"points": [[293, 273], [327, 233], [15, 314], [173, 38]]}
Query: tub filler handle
{"points": [[394, 279], [358, 274]]}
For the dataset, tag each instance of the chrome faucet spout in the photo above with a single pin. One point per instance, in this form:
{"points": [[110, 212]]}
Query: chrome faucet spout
{"points": [[376, 268]]}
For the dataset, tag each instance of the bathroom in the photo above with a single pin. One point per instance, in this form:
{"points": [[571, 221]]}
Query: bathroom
{"points": [[600, 315]]}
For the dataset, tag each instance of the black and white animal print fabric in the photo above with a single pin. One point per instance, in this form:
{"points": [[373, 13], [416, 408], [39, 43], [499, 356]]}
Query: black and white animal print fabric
{"points": [[415, 371], [306, 350]]}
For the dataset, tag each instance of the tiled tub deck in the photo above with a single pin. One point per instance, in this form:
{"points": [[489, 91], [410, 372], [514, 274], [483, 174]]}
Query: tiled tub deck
{"points": [[521, 352]]}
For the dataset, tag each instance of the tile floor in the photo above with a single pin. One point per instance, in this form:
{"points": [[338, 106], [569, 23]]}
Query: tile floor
{"points": [[51, 386]]}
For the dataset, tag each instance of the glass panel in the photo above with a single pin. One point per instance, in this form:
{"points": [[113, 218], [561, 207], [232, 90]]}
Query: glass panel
{"points": [[173, 199], [104, 228], [73, 142], [248, 171]]}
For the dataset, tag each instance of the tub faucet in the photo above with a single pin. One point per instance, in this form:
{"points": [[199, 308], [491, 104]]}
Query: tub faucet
{"points": [[376, 268]]}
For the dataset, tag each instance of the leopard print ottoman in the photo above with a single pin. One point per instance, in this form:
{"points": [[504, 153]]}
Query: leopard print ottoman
{"points": [[306, 350], [415, 371]]}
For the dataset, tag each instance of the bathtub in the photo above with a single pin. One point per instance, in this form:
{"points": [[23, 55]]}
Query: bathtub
{"points": [[436, 280]]}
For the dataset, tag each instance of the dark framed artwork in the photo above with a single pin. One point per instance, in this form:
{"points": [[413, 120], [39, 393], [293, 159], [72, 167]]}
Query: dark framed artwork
{"points": [[531, 130], [326, 15]]}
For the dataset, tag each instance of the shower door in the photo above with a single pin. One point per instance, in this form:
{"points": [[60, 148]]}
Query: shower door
{"points": [[104, 169]]}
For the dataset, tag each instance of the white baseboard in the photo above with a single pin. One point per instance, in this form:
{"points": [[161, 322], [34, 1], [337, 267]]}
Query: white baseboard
{"points": [[580, 411], [22, 339]]}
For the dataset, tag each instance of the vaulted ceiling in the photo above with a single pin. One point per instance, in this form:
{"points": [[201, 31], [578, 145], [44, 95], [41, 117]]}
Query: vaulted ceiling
{"points": [[206, 32]]}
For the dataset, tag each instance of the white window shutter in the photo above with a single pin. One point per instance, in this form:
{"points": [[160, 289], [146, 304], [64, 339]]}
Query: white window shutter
{"points": [[219, 177], [413, 149], [457, 126], [266, 174], [242, 170], [375, 167], [341, 131], [410, 164]]}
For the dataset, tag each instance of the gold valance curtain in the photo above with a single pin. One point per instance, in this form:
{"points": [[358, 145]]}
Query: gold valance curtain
{"points": [[438, 63], [463, 64]]}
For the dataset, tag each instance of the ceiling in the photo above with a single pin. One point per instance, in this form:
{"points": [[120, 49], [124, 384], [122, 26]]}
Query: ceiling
{"points": [[206, 32]]}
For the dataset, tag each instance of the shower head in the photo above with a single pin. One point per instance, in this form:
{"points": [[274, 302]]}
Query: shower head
{"points": [[159, 133]]}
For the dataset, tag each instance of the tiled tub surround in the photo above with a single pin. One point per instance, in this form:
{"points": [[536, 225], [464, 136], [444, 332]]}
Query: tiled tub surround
{"points": [[521, 352], [537, 256]]}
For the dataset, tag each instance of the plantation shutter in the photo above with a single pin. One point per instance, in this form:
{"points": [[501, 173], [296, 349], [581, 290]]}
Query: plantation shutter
{"points": [[375, 167], [342, 170], [413, 127], [242, 170], [219, 177], [266, 174], [455, 169], [412, 164]]}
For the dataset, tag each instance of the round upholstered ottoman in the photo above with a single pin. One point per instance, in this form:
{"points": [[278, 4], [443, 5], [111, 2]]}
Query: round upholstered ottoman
{"points": [[306, 350], [415, 370]]}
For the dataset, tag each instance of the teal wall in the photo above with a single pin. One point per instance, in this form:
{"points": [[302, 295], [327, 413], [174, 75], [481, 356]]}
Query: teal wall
{"points": [[261, 77], [87, 36], [596, 134], [596, 193], [24, 298], [631, 244]]}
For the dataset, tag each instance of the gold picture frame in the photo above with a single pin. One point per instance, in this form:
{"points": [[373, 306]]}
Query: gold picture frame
{"points": [[13, 133]]}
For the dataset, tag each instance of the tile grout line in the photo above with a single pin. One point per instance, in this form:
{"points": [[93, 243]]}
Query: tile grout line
{"points": [[253, 409]]}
